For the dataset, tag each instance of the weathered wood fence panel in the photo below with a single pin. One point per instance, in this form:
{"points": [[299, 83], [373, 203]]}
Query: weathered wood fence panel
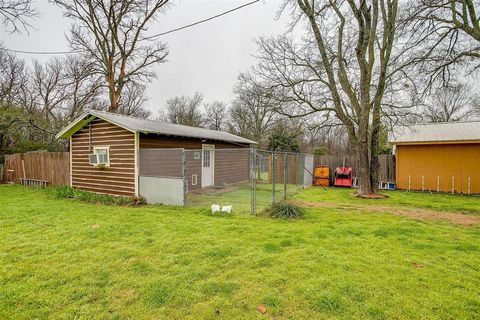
{"points": [[386, 170], [53, 167]]}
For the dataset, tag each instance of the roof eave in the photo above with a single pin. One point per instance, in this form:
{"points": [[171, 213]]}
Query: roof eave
{"points": [[81, 121], [435, 142], [73, 127], [193, 137]]}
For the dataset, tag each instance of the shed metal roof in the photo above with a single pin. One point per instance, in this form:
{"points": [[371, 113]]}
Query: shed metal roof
{"points": [[437, 132], [135, 124]]}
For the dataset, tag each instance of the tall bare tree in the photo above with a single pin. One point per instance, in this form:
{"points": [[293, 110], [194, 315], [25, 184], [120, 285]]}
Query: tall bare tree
{"points": [[185, 110], [16, 14], [341, 67], [48, 83], [252, 112], [12, 78], [452, 103], [216, 115], [111, 33], [81, 87]]}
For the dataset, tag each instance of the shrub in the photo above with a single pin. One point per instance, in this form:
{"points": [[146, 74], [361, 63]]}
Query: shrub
{"points": [[63, 192], [82, 195], [285, 209]]}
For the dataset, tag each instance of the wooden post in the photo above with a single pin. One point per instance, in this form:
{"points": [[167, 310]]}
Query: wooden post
{"points": [[23, 169]]}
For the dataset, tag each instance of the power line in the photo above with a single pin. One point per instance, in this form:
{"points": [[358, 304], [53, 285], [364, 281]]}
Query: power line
{"points": [[146, 38], [43, 52], [202, 21]]}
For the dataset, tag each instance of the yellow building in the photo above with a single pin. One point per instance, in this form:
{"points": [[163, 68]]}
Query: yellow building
{"points": [[442, 157]]}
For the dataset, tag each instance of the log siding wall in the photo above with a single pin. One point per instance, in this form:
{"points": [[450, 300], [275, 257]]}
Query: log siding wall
{"points": [[119, 177]]}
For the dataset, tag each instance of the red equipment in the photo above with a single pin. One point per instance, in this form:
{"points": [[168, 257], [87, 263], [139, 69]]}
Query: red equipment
{"points": [[343, 177]]}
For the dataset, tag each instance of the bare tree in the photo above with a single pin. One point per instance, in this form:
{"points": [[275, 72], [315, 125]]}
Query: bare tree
{"points": [[216, 115], [185, 110], [341, 67], [476, 107], [81, 87], [12, 78], [15, 14], [112, 35], [48, 84], [253, 112], [133, 101], [452, 103], [448, 37]]}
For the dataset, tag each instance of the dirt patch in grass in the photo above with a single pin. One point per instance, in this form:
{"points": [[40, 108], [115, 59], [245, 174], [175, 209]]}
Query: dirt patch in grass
{"points": [[416, 213], [370, 196]]}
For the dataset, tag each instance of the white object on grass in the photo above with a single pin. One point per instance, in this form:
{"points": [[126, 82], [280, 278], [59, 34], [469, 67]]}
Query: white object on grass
{"points": [[227, 209], [215, 208]]}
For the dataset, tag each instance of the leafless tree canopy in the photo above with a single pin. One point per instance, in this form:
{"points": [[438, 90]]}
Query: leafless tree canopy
{"points": [[16, 14], [252, 112], [448, 37], [185, 110], [452, 103], [83, 89], [132, 102], [12, 78], [216, 115], [112, 35]]}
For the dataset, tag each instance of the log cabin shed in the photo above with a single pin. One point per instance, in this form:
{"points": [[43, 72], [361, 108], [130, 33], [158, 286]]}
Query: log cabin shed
{"points": [[118, 141], [442, 157]]}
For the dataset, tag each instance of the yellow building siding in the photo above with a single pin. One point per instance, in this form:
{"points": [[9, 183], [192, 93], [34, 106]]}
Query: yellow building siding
{"points": [[437, 164]]}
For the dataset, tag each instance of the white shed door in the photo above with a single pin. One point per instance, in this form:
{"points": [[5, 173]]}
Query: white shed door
{"points": [[208, 160]]}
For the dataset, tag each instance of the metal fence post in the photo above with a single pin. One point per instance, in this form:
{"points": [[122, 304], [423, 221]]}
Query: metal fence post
{"points": [[253, 193], [273, 177], [285, 157], [185, 182]]}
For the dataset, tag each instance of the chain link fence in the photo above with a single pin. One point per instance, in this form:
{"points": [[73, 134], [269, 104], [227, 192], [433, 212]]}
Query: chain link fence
{"points": [[248, 180]]}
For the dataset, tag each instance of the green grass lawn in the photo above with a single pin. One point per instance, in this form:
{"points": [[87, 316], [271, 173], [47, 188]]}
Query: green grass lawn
{"points": [[413, 199], [64, 259]]}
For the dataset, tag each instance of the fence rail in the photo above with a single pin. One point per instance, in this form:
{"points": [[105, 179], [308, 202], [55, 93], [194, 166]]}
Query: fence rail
{"points": [[53, 167]]}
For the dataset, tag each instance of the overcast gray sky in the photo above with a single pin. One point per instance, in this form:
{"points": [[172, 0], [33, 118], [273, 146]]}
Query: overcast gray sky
{"points": [[205, 58]]}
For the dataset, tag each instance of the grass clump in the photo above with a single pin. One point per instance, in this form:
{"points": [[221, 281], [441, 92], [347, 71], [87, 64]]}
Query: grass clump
{"points": [[286, 210], [65, 192]]}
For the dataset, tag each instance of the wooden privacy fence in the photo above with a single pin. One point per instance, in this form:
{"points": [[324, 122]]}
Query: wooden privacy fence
{"points": [[386, 170], [53, 167]]}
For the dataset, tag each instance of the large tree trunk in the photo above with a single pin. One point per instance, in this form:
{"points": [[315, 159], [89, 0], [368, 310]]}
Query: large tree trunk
{"points": [[363, 175], [114, 98], [374, 148]]}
